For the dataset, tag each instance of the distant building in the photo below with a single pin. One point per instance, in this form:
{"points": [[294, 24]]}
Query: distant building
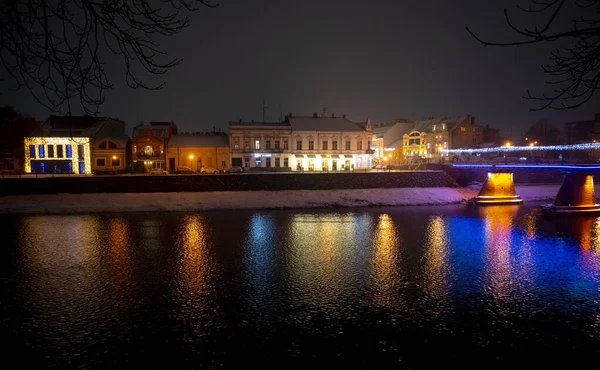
{"points": [[149, 145], [62, 144], [583, 131], [302, 144], [196, 150]]}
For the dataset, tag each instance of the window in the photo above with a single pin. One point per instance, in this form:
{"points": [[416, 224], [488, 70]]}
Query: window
{"points": [[257, 144], [276, 144], [299, 145], [32, 151], [80, 151], [286, 162], [268, 144], [433, 128], [107, 144], [222, 164], [268, 162], [443, 126], [334, 145], [41, 150], [324, 145], [135, 148], [463, 129], [102, 145], [59, 151], [347, 144], [162, 149], [368, 144], [236, 145], [285, 144], [69, 151], [246, 144], [277, 162], [50, 151], [116, 162], [100, 162], [311, 145], [359, 145]]}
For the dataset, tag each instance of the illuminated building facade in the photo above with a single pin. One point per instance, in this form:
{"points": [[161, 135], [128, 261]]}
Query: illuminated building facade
{"points": [[63, 144], [57, 155], [314, 143], [149, 145], [414, 144], [199, 149]]}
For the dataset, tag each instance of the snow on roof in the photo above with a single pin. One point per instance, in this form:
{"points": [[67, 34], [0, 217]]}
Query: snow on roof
{"points": [[199, 141], [325, 124], [267, 124]]}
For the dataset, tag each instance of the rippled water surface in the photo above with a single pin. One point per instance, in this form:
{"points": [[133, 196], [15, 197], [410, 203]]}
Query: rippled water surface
{"points": [[379, 288]]}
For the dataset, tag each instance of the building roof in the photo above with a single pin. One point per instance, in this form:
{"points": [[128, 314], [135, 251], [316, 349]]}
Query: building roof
{"points": [[260, 124], [78, 126], [426, 125], [380, 130], [121, 141], [199, 140], [159, 129], [325, 124]]}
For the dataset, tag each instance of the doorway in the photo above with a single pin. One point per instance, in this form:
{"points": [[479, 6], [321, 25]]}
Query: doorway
{"points": [[334, 165]]}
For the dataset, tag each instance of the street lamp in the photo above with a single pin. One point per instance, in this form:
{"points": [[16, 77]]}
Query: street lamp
{"points": [[191, 157]]}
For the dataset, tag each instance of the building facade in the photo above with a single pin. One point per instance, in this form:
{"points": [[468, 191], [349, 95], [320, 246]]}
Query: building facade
{"points": [[149, 145], [63, 144], [302, 144], [111, 153], [196, 150], [260, 144]]}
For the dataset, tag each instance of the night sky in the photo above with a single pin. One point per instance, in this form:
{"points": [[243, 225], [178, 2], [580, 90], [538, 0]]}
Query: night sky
{"points": [[378, 59]]}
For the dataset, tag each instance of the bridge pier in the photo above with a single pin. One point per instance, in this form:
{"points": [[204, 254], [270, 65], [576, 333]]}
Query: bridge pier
{"points": [[498, 188], [576, 195]]}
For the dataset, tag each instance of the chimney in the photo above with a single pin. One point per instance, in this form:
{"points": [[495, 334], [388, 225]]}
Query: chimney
{"points": [[332, 115], [240, 121], [343, 116], [252, 121], [315, 115]]}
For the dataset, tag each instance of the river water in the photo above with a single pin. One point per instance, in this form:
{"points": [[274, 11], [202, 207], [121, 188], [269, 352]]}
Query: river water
{"points": [[406, 287]]}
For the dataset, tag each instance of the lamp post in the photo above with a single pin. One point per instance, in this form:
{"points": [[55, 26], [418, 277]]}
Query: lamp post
{"points": [[191, 157], [114, 157]]}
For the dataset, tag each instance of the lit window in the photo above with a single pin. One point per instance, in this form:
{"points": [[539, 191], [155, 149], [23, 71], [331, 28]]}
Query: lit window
{"points": [[32, 151], [41, 150], [69, 151], [236, 146], [257, 144], [463, 129], [443, 126]]}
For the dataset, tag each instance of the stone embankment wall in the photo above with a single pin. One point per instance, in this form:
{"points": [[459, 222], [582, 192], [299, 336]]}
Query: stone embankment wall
{"points": [[229, 182]]}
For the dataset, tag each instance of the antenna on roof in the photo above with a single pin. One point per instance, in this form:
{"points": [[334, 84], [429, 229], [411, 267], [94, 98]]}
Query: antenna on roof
{"points": [[264, 111]]}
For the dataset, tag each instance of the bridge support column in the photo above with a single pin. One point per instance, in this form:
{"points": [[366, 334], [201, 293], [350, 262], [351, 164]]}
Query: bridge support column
{"points": [[498, 188], [575, 196]]}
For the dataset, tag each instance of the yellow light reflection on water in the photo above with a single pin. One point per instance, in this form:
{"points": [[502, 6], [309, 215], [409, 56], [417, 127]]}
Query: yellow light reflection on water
{"points": [[386, 275], [437, 269], [499, 279]]}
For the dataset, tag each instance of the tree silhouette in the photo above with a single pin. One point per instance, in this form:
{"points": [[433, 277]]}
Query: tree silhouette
{"points": [[57, 49], [574, 67]]}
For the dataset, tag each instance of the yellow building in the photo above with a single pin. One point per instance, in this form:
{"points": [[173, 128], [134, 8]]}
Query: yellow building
{"points": [[110, 153], [197, 150], [414, 145]]}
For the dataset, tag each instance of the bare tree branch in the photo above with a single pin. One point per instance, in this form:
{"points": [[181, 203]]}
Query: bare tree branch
{"points": [[574, 70], [58, 49]]}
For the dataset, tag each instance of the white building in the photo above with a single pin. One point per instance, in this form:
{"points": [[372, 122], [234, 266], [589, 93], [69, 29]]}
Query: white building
{"points": [[302, 144]]}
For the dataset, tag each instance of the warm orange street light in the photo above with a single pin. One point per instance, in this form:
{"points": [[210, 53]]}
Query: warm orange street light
{"points": [[191, 157], [507, 143], [531, 144]]}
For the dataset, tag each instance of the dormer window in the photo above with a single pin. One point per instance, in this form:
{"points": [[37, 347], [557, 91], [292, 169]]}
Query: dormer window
{"points": [[107, 144]]}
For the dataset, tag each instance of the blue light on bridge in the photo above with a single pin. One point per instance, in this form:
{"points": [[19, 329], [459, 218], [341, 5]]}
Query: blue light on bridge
{"points": [[532, 166]]}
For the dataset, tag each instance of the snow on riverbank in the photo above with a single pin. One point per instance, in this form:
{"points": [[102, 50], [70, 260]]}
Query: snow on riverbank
{"points": [[169, 202]]}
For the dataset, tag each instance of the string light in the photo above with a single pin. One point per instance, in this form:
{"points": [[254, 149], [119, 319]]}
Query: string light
{"points": [[530, 166], [36, 141], [585, 146]]}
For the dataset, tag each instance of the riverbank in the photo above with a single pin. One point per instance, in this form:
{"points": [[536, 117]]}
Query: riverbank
{"points": [[237, 200]]}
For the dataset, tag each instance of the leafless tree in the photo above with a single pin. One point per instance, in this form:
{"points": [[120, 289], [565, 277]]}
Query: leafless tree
{"points": [[574, 66], [59, 49]]}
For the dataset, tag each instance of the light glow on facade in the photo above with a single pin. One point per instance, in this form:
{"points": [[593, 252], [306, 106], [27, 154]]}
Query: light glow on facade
{"points": [[509, 148], [75, 144]]}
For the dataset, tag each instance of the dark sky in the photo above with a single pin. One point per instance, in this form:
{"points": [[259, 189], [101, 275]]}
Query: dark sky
{"points": [[368, 59]]}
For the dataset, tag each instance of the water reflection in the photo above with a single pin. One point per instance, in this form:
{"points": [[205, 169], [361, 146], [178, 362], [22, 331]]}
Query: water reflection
{"points": [[387, 276], [193, 280], [437, 269]]}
